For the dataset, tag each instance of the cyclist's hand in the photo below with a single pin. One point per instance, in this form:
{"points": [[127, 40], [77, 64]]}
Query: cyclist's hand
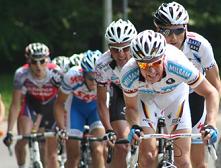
{"points": [[135, 132], [61, 134], [111, 136], [8, 139], [210, 134]]}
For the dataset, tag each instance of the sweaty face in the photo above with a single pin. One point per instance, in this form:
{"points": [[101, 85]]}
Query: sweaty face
{"points": [[38, 67], [174, 34], [120, 53], [152, 71]]}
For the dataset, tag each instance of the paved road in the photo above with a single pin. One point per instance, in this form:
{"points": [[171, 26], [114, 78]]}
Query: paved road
{"points": [[7, 161]]}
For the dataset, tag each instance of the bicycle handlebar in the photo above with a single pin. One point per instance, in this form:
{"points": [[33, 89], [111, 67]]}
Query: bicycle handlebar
{"points": [[34, 135], [88, 137]]}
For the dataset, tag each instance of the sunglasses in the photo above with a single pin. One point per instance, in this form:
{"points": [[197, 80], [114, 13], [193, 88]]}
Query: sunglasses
{"points": [[119, 49], [145, 65], [34, 62], [168, 32]]}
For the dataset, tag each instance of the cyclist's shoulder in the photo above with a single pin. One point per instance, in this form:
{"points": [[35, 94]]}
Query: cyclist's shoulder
{"points": [[104, 60], [74, 74], [196, 41], [22, 70]]}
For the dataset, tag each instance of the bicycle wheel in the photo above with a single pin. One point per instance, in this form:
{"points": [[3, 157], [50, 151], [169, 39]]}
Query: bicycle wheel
{"points": [[37, 164]]}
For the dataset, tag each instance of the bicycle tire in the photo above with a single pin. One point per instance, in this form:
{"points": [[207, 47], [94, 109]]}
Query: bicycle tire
{"points": [[36, 164]]}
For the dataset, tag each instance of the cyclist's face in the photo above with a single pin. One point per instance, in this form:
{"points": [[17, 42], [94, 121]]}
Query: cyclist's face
{"points": [[120, 53], [152, 71], [174, 34], [38, 67], [90, 80]]}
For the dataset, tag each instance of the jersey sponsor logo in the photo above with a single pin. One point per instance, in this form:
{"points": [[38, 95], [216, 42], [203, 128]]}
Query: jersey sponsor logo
{"points": [[130, 76], [85, 96], [169, 88], [170, 81], [194, 44], [176, 121], [179, 70], [76, 79]]}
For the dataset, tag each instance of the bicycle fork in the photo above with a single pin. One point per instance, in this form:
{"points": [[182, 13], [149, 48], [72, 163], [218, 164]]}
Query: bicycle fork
{"points": [[34, 154]]}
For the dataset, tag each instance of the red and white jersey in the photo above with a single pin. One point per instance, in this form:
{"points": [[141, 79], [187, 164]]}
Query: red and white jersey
{"points": [[73, 82], [199, 51], [178, 71], [107, 70], [41, 90]]}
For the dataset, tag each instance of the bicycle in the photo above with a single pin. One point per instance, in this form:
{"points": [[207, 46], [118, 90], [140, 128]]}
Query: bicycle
{"points": [[86, 139], [165, 147], [33, 146]]}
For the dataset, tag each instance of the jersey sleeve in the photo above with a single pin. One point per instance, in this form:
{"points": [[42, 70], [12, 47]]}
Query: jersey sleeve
{"points": [[68, 81], [129, 79], [18, 76], [101, 76], [185, 71], [208, 60]]}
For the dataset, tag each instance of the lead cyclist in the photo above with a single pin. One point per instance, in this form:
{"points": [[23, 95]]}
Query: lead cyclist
{"points": [[155, 83], [171, 20]]}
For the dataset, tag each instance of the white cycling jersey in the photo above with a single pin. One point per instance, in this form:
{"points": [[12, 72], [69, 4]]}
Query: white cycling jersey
{"points": [[199, 51], [177, 69], [73, 82], [107, 70], [169, 96]]}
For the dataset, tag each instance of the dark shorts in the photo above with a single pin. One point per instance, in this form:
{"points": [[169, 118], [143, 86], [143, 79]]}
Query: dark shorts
{"points": [[196, 107], [117, 104], [32, 107]]}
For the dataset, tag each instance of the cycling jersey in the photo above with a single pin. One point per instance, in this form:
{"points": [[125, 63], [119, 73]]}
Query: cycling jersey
{"points": [[39, 95], [199, 51], [108, 73], [73, 82], [81, 106], [178, 72], [107, 70]]}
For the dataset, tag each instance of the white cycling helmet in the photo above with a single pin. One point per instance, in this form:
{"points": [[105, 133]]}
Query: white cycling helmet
{"points": [[36, 51], [63, 62], [75, 59], [89, 59], [120, 32], [148, 45], [171, 14]]}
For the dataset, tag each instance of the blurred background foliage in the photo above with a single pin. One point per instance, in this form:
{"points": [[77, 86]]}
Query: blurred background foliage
{"points": [[73, 26]]}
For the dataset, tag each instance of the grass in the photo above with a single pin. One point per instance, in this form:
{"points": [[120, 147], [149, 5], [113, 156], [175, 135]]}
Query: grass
{"points": [[6, 84]]}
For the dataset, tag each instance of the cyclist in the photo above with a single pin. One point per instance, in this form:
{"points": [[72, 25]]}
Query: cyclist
{"points": [[118, 35], [171, 20], [35, 90], [81, 107], [155, 82], [63, 62]]}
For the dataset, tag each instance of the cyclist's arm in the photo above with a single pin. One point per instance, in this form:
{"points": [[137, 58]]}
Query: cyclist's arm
{"points": [[211, 96], [59, 110], [14, 108], [132, 115], [102, 107], [213, 77]]}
